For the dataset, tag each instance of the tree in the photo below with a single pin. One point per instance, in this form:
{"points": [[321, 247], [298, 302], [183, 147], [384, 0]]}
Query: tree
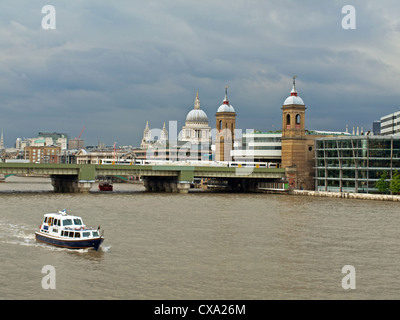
{"points": [[395, 183], [382, 185]]}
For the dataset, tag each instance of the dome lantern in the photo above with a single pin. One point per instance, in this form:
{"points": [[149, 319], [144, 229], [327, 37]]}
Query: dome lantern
{"points": [[293, 98], [196, 114]]}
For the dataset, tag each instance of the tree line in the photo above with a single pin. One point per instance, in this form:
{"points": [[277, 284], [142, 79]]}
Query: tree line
{"points": [[386, 186]]}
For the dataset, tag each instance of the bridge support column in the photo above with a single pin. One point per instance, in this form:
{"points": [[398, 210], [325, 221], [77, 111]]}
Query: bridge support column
{"points": [[70, 184], [174, 187], [183, 186], [84, 186], [160, 186], [154, 186], [2, 178], [167, 186], [146, 184]]}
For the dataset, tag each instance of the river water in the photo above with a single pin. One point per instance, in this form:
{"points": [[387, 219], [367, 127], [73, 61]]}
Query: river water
{"points": [[200, 245]]}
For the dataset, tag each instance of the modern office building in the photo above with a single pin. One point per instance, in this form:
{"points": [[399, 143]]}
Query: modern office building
{"points": [[259, 147], [354, 163], [376, 128], [390, 124]]}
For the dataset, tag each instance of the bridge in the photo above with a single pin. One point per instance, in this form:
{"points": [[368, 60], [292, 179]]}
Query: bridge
{"points": [[70, 178]]}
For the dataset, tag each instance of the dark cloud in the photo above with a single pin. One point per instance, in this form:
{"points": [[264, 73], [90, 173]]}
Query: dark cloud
{"points": [[112, 66]]}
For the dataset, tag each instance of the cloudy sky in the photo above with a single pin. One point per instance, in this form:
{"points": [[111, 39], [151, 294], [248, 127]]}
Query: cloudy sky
{"points": [[110, 66]]}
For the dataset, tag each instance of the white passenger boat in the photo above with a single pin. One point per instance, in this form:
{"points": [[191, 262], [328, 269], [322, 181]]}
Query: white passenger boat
{"points": [[68, 231]]}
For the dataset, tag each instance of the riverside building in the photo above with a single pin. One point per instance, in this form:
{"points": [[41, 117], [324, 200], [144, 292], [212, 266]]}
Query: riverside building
{"points": [[355, 163]]}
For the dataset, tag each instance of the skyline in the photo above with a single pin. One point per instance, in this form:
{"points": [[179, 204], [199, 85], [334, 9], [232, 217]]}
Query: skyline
{"points": [[110, 67]]}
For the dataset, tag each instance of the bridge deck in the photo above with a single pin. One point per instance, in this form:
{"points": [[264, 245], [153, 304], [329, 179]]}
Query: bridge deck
{"points": [[90, 171]]}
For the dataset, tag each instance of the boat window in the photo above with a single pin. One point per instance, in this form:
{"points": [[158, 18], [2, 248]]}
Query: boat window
{"points": [[71, 234], [55, 222], [85, 234], [77, 234], [95, 234], [78, 222], [67, 222], [45, 219], [66, 233]]}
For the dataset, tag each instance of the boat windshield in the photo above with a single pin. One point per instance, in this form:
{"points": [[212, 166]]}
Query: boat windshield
{"points": [[67, 222], [77, 222]]}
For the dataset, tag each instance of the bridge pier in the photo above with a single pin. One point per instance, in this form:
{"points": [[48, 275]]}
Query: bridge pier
{"points": [[84, 186], [183, 186], [70, 184], [174, 186], [169, 186], [2, 178], [146, 184]]}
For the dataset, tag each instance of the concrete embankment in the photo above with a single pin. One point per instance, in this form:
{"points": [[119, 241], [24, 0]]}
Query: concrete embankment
{"points": [[347, 195]]}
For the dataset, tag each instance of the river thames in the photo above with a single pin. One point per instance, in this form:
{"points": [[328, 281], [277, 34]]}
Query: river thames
{"points": [[200, 245]]}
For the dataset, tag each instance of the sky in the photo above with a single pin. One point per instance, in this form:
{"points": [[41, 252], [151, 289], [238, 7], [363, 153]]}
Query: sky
{"points": [[110, 66]]}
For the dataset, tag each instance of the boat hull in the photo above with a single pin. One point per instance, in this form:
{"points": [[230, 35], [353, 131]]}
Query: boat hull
{"points": [[70, 244], [105, 187]]}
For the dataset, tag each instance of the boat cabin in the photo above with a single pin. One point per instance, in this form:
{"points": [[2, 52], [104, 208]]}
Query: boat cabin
{"points": [[65, 225]]}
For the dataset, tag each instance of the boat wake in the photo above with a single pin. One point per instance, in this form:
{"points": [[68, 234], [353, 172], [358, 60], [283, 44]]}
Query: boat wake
{"points": [[16, 234]]}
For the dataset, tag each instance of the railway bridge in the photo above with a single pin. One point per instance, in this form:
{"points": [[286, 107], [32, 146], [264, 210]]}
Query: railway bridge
{"points": [[71, 178]]}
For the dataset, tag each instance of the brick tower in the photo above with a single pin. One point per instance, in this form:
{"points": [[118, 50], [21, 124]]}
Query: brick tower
{"points": [[226, 124], [294, 141]]}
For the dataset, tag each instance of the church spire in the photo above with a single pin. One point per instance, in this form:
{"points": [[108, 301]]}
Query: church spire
{"points": [[226, 101], [294, 91], [1, 141]]}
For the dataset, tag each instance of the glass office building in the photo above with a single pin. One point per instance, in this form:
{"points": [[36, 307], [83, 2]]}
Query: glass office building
{"points": [[354, 163]]}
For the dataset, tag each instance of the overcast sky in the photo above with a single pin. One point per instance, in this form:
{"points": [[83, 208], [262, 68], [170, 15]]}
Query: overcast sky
{"points": [[110, 66]]}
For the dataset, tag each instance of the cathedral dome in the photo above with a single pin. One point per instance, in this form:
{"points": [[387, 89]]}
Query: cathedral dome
{"points": [[197, 115], [226, 106], [293, 98]]}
